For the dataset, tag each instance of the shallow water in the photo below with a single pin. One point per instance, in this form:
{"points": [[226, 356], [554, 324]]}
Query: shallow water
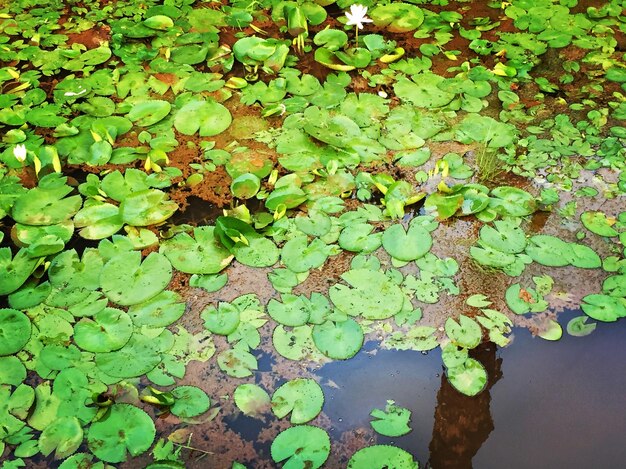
{"points": [[547, 404]]}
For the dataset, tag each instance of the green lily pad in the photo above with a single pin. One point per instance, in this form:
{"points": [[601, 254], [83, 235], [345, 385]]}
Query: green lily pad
{"points": [[407, 245], [160, 311], [338, 340], [303, 446], [512, 201], [506, 236], [63, 436], [301, 397], [190, 402], [293, 310], [202, 254], [237, 363], [469, 378], [549, 329], [549, 251], [222, 320], [299, 255], [603, 307], [373, 295], [125, 429], [578, 326], [98, 221], [147, 207], [393, 421], [207, 117], [81, 461], [259, 252], [382, 457], [140, 355], [12, 371], [147, 113], [358, 237], [14, 271], [15, 330], [126, 280], [109, 330], [465, 333], [46, 204], [599, 223], [584, 257], [245, 186], [398, 17], [252, 400], [295, 343]]}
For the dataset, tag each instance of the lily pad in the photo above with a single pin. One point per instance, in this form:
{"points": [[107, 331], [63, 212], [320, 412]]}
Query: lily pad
{"points": [[301, 397], [603, 307], [469, 378], [190, 402], [147, 207], [222, 320], [126, 280], [252, 400], [299, 255], [147, 113], [14, 271], [549, 251], [373, 295], [237, 363], [465, 333], [209, 118], [393, 421], [15, 330], [382, 457], [109, 330], [63, 436], [303, 446], [160, 311], [202, 254], [125, 430], [338, 340], [140, 355], [407, 245], [599, 223]]}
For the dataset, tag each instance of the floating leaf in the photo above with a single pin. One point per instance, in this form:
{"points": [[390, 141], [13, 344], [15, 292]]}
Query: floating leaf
{"points": [[338, 340], [63, 436], [208, 117], [393, 421], [125, 428], [251, 399], [599, 223], [126, 280], [301, 397], [15, 330], [237, 363], [190, 402], [373, 295], [299, 256], [549, 329], [14, 271], [465, 333], [303, 446], [603, 307], [578, 326], [202, 254], [160, 311], [409, 245], [148, 207], [549, 250], [222, 320], [469, 378], [381, 457], [147, 113], [109, 330], [140, 355]]}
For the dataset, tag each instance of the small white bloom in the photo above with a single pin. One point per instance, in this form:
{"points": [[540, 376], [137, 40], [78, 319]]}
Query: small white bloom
{"points": [[19, 151], [357, 16]]}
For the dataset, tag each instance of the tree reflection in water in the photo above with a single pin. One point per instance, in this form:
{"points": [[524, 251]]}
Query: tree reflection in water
{"points": [[462, 423]]}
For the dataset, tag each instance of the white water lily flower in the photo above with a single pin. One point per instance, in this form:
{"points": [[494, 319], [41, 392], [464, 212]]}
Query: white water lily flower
{"points": [[19, 151], [357, 16]]}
